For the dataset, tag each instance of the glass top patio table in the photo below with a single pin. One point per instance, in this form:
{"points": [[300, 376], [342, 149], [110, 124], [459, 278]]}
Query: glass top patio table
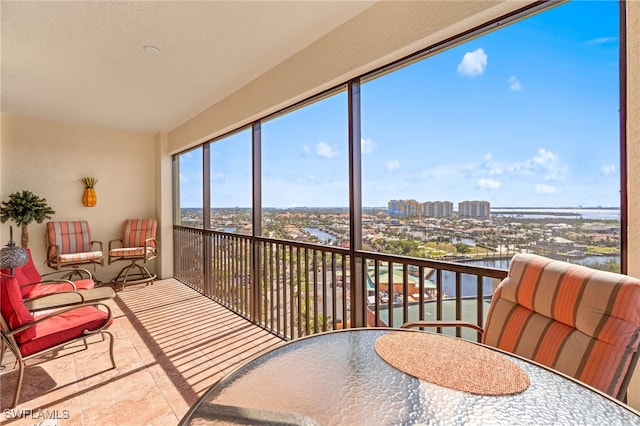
{"points": [[338, 378]]}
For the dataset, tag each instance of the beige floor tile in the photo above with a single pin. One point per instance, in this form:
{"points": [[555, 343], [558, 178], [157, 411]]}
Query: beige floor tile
{"points": [[170, 344]]}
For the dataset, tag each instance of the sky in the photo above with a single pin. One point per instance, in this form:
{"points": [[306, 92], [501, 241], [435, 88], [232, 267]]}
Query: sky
{"points": [[524, 116]]}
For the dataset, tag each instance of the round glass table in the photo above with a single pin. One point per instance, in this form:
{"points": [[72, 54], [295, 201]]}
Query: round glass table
{"points": [[338, 378]]}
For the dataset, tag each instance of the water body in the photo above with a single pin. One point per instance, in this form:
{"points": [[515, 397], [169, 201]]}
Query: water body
{"points": [[469, 282], [577, 213], [320, 234]]}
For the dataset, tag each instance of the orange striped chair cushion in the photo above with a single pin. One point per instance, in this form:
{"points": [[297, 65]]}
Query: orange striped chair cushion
{"points": [[579, 321], [135, 232], [73, 240], [70, 237]]}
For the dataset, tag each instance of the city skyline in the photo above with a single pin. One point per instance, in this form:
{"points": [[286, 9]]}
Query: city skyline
{"points": [[524, 116]]}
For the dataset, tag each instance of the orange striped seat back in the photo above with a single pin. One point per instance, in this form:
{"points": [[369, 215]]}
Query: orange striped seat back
{"points": [[136, 231], [582, 322], [70, 237]]}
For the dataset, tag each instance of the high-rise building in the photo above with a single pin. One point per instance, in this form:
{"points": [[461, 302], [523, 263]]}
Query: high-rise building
{"points": [[437, 208], [475, 209], [415, 208], [405, 208]]}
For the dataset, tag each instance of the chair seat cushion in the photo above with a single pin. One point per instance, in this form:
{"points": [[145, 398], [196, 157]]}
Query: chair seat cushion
{"points": [[131, 251], [36, 290], [79, 257], [63, 328], [13, 310]]}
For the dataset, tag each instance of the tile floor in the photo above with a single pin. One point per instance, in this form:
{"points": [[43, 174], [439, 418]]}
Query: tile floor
{"points": [[171, 345]]}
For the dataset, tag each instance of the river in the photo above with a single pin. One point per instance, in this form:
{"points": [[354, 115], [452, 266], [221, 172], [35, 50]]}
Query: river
{"points": [[469, 281], [320, 234], [550, 213]]}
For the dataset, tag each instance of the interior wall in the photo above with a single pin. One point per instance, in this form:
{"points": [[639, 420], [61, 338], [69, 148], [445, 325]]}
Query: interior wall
{"points": [[48, 158], [633, 160]]}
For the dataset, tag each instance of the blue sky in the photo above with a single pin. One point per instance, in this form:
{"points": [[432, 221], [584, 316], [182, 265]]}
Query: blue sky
{"points": [[524, 116]]}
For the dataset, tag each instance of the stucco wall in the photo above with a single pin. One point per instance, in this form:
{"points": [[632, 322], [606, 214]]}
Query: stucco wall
{"points": [[48, 159]]}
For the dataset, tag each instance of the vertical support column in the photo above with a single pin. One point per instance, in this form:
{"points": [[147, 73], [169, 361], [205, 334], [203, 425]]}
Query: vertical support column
{"points": [[207, 255], [357, 282], [175, 184], [257, 220], [630, 129]]}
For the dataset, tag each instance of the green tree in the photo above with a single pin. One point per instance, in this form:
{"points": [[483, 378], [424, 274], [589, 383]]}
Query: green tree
{"points": [[23, 208], [462, 248]]}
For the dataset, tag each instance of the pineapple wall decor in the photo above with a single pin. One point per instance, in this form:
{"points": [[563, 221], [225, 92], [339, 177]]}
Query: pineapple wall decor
{"points": [[89, 197]]}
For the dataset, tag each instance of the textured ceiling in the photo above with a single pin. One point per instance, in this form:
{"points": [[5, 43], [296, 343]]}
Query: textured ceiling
{"points": [[83, 62]]}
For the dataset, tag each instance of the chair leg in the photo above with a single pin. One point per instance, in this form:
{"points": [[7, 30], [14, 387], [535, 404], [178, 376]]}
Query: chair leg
{"points": [[142, 276], [3, 348], [113, 361], [18, 385]]}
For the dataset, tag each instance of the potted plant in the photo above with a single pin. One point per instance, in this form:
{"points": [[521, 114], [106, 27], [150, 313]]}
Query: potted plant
{"points": [[23, 208], [89, 198]]}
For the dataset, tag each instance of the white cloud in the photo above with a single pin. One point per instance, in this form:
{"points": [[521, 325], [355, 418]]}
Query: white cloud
{"points": [[326, 151], [366, 146], [473, 63], [514, 84], [608, 169], [602, 40], [544, 164], [392, 165], [490, 166], [487, 184], [547, 164], [544, 157], [545, 189]]}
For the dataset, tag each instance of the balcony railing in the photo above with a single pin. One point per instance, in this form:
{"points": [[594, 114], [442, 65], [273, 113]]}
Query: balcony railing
{"points": [[295, 289]]}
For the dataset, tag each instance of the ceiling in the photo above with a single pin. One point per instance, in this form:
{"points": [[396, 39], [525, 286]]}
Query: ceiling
{"points": [[83, 62]]}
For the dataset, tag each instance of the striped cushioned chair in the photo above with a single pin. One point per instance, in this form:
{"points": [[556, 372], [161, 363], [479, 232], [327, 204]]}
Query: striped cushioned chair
{"points": [[137, 243], [576, 320], [70, 245]]}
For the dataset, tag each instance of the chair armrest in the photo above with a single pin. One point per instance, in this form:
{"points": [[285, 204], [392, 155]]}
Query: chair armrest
{"points": [[66, 271], [46, 317], [148, 240], [68, 298], [414, 324], [53, 251], [49, 282], [119, 240], [53, 301], [97, 242]]}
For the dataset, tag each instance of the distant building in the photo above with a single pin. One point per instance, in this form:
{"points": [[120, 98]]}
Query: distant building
{"points": [[415, 208], [405, 208], [475, 209], [437, 208]]}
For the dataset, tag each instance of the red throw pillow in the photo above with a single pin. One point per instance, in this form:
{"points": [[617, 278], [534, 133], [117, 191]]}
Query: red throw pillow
{"points": [[13, 310]]}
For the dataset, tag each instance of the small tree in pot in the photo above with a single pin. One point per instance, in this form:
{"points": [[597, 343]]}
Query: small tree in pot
{"points": [[23, 208]]}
